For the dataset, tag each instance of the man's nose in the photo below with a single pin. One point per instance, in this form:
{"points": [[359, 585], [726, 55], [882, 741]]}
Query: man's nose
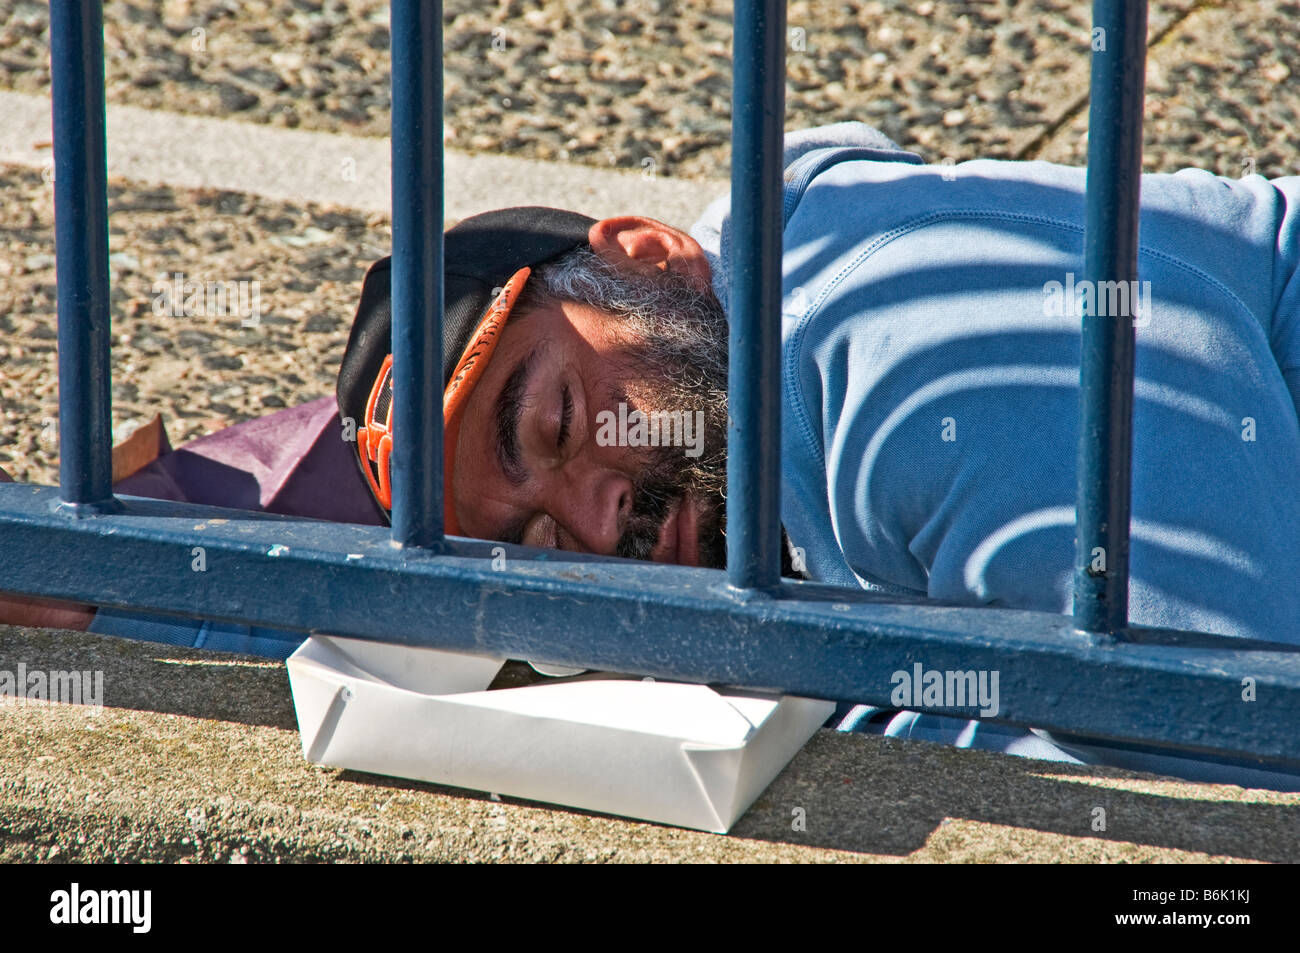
{"points": [[592, 506]]}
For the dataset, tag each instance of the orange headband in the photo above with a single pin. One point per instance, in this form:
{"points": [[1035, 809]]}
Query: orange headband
{"points": [[375, 439]]}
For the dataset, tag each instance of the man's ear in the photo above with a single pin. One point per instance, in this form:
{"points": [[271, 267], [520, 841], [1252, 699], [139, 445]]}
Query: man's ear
{"points": [[636, 243]]}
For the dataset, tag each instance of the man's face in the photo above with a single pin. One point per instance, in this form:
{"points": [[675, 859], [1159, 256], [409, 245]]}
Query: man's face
{"points": [[551, 453]]}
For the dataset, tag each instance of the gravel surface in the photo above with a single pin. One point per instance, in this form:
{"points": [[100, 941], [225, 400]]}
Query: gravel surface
{"points": [[620, 82], [201, 372], [1223, 93]]}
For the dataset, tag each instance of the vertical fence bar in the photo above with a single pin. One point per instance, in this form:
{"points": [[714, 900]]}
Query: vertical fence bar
{"points": [[754, 386], [416, 466], [1101, 564], [81, 250]]}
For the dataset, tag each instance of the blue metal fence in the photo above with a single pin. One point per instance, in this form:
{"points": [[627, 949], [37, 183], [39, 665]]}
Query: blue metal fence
{"points": [[416, 467], [1090, 675], [81, 242]]}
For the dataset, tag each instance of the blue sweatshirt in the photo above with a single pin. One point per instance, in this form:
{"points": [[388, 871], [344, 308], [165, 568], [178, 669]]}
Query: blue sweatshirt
{"points": [[930, 349]]}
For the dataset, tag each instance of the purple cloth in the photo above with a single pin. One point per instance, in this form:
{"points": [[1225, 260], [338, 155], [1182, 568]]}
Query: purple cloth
{"points": [[294, 462]]}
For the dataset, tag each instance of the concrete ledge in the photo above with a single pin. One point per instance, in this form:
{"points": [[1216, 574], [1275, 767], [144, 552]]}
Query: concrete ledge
{"points": [[333, 169], [196, 757]]}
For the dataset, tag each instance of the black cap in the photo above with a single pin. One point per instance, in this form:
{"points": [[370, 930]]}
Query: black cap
{"points": [[479, 256]]}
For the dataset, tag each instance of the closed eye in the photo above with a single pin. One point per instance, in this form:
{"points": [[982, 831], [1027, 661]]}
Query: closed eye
{"points": [[509, 408], [566, 418]]}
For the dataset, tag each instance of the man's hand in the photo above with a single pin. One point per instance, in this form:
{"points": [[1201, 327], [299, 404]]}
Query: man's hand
{"points": [[42, 613]]}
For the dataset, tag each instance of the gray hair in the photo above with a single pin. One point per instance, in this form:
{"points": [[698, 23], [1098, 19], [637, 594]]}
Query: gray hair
{"points": [[666, 309]]}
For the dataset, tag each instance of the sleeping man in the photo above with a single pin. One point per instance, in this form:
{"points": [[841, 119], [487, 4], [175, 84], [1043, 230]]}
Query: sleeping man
{"points": [[930, 392]]}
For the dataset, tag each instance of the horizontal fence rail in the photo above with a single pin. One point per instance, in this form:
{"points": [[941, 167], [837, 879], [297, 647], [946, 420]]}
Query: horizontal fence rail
{"points": [[1172, 690], [1175, 690]]}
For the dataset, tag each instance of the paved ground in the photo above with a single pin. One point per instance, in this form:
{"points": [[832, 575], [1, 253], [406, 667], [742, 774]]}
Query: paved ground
{"points": [[196, 758], [337, 169]]}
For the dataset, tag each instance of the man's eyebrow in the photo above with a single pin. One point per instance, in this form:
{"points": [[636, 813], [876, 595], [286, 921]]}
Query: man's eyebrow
{"points": [[509, 407]]}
